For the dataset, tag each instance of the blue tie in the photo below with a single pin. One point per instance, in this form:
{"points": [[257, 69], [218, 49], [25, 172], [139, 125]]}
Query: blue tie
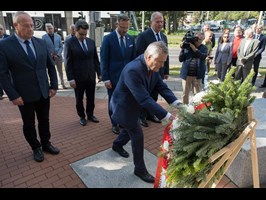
{"points": [[122, 46], [84, 47], [30, 52], [158, 37]]}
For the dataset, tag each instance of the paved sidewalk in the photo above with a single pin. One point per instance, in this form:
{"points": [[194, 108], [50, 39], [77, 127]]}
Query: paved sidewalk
{"points": [[19, 170]]}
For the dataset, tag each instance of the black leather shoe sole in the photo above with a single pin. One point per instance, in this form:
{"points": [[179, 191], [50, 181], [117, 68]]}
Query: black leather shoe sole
{"points": [[122, 152], [145, 177]]}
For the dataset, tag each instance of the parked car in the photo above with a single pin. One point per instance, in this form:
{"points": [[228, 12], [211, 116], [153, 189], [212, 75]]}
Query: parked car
{"points": [[215, 27], [196, 28]]}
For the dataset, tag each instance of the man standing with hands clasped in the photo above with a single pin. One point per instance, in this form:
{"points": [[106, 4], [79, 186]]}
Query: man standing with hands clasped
{"points": [[153, 34], [132, 93], [24, 65], [82, 64], [118, 49]]}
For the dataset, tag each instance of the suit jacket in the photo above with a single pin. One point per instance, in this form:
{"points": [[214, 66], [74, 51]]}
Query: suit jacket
{"points": [[67, 37], [112, 61], [249, 54], [28, 81], [144, 39], [56, 47], [132, 93], [262, 44], [81, 66], [5, 35], [186, 56], [224, 55]]}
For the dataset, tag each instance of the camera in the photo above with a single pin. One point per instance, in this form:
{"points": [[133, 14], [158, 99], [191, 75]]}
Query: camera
{"points": [[189, 38]]}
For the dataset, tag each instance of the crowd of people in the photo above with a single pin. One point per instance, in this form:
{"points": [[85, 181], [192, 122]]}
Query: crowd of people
{"points": [[132, 72]]}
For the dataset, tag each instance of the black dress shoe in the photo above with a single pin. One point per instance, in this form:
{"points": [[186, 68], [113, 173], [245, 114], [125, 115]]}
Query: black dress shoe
{"points": [[143, 122], [93, 119], [38, 155], [145, 176], [83, 121], [121, 151], [1, 97], [115, 130], [51, 149], [262, 86], [154, 119]]}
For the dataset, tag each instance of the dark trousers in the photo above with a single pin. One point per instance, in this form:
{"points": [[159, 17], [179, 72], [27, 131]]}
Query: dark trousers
{"points": [[233, 61], [87, 87], [28, 110], [1, 90], [137, 144], [110, 92], [256, 64]]}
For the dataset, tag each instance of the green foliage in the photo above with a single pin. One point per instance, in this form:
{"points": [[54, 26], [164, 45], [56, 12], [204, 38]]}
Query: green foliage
{"points": [[205, 132]]}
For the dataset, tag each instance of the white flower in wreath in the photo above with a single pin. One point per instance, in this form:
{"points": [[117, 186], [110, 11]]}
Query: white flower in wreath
{"points": [[190, 109], [198, 97], [166, 145], [163, 178]]}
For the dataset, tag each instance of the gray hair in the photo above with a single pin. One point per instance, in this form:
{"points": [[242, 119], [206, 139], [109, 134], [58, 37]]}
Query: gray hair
{"points": [[49, 25], [18, 14], [249, 31], [155, 14], [72, 26], [155, 49]]}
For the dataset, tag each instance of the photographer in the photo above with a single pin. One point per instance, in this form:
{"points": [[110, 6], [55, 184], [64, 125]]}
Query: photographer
{"points": [[193, 55]]}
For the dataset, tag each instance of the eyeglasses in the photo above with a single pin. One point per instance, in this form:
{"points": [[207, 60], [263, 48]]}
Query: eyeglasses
{"points": [[82, 34], [226, 36]]}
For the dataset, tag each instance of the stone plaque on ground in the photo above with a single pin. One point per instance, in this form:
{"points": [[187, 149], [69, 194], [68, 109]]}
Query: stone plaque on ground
{"points": [[107, 169]]}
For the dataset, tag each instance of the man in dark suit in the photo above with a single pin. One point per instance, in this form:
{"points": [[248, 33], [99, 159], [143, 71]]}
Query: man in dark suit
{"points": [[153, 34], [256, 63], [132, 93], [2, 36], [82, 64], [29, 88], [114, 58]]}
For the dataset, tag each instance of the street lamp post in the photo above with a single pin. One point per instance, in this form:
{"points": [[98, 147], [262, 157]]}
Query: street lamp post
{"points": [[92, 24]]}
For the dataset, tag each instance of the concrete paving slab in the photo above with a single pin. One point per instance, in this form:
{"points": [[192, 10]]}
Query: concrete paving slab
{"points": [[109, 170]]}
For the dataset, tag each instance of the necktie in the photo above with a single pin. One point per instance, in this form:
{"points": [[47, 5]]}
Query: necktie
{"points": [[122, 46], [158, 37], [30, 52], [84, 47], [150, 73], [258, 36]]}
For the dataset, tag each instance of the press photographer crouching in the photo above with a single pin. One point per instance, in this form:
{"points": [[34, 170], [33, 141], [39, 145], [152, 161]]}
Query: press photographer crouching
{"points": [[192, 56]]}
